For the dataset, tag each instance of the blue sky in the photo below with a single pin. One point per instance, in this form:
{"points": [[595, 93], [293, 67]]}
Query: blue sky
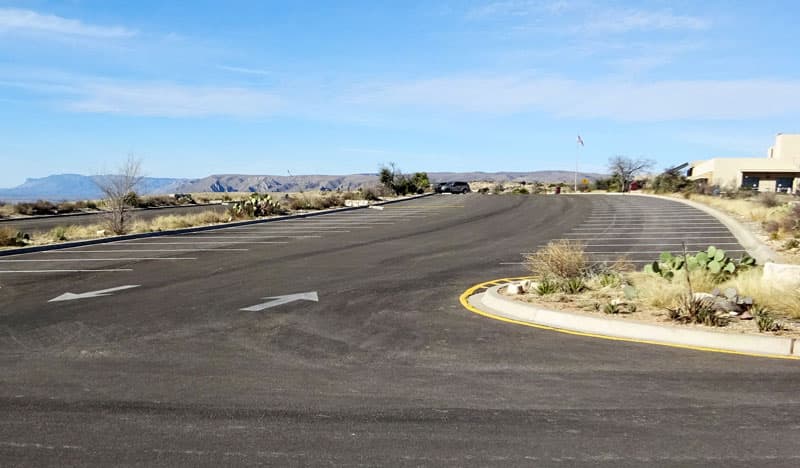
{"points": [[197, 88]]}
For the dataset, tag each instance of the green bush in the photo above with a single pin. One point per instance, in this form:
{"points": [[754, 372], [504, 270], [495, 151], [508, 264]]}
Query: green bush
{"points": [[573, 286], [547, 286], [700, 311], [255, 205], [765, 321]]}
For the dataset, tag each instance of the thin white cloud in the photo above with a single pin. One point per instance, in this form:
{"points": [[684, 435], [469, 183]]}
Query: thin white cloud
{"points": [[615, 100], [520, 8], [171, 100], [14, 19], [584, 17], [622, 21], [246, 71]]}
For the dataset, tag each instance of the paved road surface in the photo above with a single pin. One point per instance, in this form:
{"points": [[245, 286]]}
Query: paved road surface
{"points": [[386, 369]]}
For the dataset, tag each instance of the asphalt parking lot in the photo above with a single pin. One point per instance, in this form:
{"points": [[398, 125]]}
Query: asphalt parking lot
{"points": [[339, 340], [637, 229]]}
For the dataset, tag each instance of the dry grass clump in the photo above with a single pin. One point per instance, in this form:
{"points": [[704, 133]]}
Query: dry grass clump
{"points": [[750, 209], [558, 260], [9, 237], [165, 223], [6, 210], [305, 201], [661, 293], [780, 300]]}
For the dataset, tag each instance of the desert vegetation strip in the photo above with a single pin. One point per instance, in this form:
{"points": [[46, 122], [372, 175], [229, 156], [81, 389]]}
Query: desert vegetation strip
{"points": [[15, 241]]}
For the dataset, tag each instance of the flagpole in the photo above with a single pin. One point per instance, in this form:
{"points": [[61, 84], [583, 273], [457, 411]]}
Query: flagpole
{"points": [[576, 164]]}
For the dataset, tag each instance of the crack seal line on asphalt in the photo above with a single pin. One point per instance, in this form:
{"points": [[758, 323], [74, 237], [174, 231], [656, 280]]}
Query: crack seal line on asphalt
{"points": [[464, 299]]}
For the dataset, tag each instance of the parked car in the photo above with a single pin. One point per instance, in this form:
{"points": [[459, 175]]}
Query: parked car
{"points": [[440, 187], [459, 187]]}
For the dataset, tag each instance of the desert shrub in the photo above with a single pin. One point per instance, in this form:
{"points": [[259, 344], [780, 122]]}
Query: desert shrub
{"points": [[672, 182], [559, 260], [791, 244], [10, 237], [765, 321], [483, 190], [520, 191], [768, 199], [498, 189], [255, 205], [573, 285], [616, 307], [606, 279], [58, 234], [371, 193], [701, 311], [39, 207], [547, 286]]}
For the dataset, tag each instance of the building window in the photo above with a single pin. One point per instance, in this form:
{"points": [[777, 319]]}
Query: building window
{"points": [[750, 182], [784, 184]]}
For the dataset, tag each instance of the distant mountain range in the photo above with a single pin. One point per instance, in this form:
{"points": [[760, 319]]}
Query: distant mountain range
{"points": [[79, 187]]}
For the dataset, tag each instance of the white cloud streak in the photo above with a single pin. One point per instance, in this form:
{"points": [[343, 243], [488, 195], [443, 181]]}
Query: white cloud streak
{"points": [[171, 100], [14, 19], [246, 71], [623, 21], [614, 100]]}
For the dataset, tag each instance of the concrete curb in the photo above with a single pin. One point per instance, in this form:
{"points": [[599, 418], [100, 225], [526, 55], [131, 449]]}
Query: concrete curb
{"points": [[635, 331], [757, 249], [106, 240]]}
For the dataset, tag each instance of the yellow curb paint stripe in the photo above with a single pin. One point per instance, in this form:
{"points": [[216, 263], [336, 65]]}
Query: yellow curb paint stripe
{"points": [[464, 299]]}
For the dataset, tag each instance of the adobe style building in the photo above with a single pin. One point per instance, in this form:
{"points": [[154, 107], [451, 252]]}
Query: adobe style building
{"points": [[778, 172]]}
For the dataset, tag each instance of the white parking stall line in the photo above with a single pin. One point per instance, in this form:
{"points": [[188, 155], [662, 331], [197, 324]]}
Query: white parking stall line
{"points": [[652, 223], [31, 260], [632, 236], [140, 250], [512, 263], [277, 231], [614, 232], [108, 270], [204, 242], [645, 252], [649, 229], [648, 225], [592, 219], [649, 252], [255, 237], [703, 244], [345, 223]]}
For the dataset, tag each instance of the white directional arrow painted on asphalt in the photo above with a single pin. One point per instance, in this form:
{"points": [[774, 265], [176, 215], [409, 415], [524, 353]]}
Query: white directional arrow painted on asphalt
{"points": [[103, 292], [280, 300]]}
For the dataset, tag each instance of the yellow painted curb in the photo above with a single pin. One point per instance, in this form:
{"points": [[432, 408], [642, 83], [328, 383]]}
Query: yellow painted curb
{"points": [[464, 299]]}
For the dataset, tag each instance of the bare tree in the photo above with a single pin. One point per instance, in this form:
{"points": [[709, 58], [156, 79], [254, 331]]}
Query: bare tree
{"points": [[119, 191], [626, 169]]}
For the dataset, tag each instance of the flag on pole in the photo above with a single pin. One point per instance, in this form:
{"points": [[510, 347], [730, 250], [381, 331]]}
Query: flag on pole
{"points": [[580, 140]]}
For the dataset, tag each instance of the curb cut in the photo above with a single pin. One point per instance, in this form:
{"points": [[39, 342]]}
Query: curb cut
{"points": [[511, 310], [213, 227]]}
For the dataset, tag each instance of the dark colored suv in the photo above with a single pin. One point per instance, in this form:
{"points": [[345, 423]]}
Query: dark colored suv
{"points": [[459, 187], [452, 187]]}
